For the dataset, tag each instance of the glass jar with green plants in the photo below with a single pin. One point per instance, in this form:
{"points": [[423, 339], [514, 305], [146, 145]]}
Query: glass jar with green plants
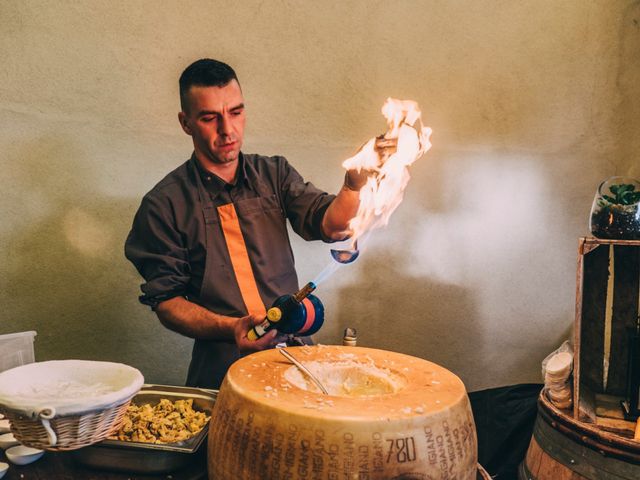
{"points": [[615, 212]]}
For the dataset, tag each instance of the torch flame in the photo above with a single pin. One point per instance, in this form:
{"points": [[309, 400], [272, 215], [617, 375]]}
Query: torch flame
{"points": [[384, 189]]}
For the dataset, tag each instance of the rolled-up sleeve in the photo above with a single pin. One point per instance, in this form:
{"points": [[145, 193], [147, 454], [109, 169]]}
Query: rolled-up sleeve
{"points": [[156, 248], [304, 203]]}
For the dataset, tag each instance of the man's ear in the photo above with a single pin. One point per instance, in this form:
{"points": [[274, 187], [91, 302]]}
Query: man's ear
{"points": [[184, 123]]}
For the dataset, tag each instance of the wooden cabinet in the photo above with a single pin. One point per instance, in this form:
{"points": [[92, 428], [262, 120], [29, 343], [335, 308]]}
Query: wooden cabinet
{"points": [[607, 299]]}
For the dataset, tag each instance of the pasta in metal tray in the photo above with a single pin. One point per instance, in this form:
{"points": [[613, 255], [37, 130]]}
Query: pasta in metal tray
{"points": [[166, 422]]}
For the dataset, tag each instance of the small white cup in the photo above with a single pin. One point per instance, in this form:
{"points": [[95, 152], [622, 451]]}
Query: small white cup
{"points": [[5, 426], [21, 455], [7, 440]]}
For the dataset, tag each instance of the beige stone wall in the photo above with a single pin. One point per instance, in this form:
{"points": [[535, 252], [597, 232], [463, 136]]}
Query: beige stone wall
{"points": [[532, 104]]}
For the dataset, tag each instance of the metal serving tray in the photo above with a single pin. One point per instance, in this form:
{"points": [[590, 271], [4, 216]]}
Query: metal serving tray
{"points": [[138, 457]]}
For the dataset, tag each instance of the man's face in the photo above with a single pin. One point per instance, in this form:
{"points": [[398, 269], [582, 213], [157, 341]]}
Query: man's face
{"points": [[215, 120]]}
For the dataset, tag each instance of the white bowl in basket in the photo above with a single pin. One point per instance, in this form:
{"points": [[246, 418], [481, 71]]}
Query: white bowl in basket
{"points": [[40, 397], [5, 426]]}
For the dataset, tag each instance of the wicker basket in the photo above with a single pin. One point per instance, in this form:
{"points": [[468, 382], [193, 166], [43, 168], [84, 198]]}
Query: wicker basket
{"points": [[53, 421]]}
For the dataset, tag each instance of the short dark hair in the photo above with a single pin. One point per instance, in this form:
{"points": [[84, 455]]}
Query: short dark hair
{"points": [[205, 72]]}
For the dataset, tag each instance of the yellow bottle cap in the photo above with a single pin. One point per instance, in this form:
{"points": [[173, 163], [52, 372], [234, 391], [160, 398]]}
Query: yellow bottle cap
{"points": [[274, 314]]}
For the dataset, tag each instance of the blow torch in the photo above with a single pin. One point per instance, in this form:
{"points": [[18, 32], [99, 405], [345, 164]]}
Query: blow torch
{"points": [[300, 313]]}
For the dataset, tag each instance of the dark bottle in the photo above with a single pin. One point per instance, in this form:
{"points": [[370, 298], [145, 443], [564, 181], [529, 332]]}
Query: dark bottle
{"points": [[300, 313]]}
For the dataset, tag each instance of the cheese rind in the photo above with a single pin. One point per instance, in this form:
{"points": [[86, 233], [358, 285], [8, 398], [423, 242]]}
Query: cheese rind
{"points": [[266, 426]]}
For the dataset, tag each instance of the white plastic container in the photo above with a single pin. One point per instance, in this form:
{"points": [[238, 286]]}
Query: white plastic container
{"points": [[16, 349]]}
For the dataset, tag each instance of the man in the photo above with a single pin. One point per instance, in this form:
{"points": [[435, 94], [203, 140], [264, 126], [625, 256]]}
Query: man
{"points": [[211, 240]]}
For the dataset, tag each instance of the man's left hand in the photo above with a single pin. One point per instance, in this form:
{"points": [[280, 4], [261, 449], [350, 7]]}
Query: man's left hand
{"points": [[269, 340]]}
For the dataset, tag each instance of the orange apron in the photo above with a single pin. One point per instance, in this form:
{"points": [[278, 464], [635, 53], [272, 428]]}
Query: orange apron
{"points": [[240, 260]]}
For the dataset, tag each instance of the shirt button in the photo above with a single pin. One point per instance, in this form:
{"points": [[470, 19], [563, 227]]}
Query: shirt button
{"points": [[208, 179]]}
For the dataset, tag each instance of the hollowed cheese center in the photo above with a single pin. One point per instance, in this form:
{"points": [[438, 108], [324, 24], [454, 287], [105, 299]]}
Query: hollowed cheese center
{"points": [[346, 378]]}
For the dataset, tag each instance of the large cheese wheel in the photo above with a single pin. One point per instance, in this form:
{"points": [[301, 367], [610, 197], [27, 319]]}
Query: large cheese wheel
{"points": [[387, 416]]}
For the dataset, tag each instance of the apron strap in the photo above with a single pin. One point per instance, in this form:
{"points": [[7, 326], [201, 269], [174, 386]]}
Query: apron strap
{"points": [[240, 260]]}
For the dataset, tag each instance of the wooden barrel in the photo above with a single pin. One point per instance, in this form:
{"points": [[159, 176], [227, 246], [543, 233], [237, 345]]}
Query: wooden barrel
{"points": [[563, 448], [482, 474]]}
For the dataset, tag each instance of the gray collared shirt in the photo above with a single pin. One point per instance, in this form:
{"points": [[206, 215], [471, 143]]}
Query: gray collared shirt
{"points": [[168, 239]]}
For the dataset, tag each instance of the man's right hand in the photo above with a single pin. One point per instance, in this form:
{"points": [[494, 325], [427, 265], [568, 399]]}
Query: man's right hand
{"points": [[384, 147], [242, 327]]}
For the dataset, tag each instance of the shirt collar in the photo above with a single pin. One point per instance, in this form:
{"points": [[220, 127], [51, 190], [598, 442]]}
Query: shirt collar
{"points": [[215, 184]]}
